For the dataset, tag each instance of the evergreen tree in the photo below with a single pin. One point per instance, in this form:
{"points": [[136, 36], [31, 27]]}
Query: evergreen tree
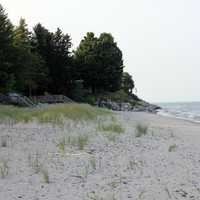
{"points": [[30, 71], [7, 78], [55, 50]]}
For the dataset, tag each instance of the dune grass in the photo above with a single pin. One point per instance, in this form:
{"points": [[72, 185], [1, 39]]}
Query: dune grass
{"points": [[45, 175], [141, 130], [172, 148], [111, 127], [3, 168], [52, 113], [79, 141]]}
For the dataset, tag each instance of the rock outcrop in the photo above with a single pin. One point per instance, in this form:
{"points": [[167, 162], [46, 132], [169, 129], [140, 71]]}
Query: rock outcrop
{"points": [[140, 106]]}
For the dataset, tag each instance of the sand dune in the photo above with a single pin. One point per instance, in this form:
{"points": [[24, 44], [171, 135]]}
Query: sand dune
{"points": [[98, 160]]}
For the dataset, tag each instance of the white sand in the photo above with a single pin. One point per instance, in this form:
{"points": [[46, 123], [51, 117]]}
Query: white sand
{"points": [[110, 167]]}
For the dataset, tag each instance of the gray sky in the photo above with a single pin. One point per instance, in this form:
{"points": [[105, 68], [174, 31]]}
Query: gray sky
{"points": [[160, 39]]}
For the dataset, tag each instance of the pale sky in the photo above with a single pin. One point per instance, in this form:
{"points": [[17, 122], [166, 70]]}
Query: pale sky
{"points": [[160, 39]]}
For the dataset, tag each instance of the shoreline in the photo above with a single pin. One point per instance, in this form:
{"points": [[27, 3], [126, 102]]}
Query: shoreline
{"points": [[171, 116]]}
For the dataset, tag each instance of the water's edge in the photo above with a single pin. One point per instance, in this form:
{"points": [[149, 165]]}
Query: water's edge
{"points": [[189, 111]]}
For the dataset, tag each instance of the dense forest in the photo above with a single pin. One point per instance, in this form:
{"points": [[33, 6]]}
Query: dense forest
{"points": [[42, 62]]}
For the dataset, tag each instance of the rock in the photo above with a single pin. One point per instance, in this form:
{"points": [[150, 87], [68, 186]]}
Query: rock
{"points": [[146, 107], [142, 106]]}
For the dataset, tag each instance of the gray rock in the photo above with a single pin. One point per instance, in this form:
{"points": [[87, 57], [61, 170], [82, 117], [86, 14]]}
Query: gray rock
{"points": [[142, 106]]}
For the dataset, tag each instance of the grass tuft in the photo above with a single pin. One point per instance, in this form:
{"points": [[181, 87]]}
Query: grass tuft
{"points": [[61, 146], [79, 141], [4, 168], [82, 141], [141, 130], [45, 175], [113, 127], [172, 148], [34, 163]]}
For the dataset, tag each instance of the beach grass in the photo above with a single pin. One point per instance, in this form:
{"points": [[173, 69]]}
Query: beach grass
{"points": [[52, 113], [111, 127], [141, 130], [45, 175], [172, 148], [4, 168]]}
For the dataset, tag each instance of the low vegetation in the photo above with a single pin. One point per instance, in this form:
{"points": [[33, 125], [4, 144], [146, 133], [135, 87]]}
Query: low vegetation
{"points": [[45, 175], [172, 148], [111, 127], [79, 141], [141, 130], [52, 113], [34, 163], [61, 146], [4, 169]]}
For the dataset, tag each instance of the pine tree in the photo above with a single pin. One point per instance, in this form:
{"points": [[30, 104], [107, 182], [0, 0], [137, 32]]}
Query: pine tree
{"points": [[30, 70], [7, 79], [55, 50]]}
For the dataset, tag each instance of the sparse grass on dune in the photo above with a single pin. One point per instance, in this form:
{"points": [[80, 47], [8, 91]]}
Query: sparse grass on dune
{"points": [[52, 113], [112, 127], [172, 148], [141, 130]]}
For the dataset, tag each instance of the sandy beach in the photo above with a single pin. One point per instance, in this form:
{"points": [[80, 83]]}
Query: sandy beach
{"points": [[50, 162]]}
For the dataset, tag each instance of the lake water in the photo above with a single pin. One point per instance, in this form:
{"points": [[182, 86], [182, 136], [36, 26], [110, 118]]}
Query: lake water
{"points": [[184, 110]]}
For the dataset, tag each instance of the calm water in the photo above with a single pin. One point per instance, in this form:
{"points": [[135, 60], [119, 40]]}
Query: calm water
{"points": [[187, 110]]}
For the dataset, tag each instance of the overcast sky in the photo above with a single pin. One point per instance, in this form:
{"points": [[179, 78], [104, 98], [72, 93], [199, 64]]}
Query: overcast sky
{"points": [[160, 39]]}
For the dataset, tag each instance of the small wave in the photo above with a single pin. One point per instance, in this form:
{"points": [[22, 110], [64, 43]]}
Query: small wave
{"points": [[180, 115]]}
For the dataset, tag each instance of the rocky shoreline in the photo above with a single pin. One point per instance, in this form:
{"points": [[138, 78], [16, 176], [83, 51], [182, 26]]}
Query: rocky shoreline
{"points": [[140, 106]]}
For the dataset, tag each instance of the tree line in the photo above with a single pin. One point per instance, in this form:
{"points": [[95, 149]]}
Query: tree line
{"points": [[40, 61]]}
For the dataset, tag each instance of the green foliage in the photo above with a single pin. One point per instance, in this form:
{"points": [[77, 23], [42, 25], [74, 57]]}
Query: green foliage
{"points": [[172, 148], [6, 52], [90, 99], [118, 96], [54, 48], [141, 130], [127, 83], [41, 61], [100, 62], [30, 71]]}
